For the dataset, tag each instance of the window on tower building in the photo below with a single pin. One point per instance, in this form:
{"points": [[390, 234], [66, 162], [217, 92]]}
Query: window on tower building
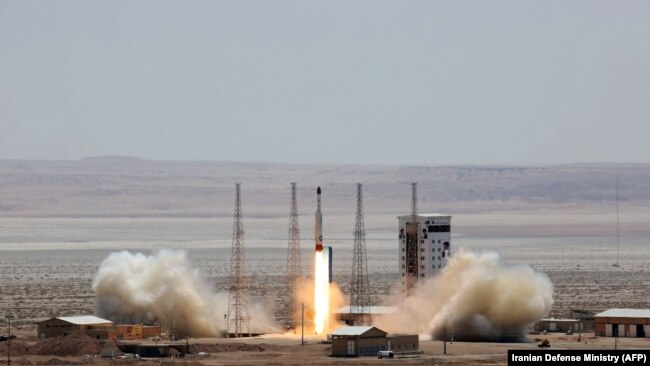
{"points": [[443, 254], [438, 228]]}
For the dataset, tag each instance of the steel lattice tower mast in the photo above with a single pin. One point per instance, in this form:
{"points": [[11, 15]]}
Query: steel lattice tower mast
{"points": [[412, 239], [239, 321], [360, 286], [294, 264]]}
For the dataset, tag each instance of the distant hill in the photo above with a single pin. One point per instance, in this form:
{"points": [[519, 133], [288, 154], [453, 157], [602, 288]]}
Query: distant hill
{"points": [[125, 186]]}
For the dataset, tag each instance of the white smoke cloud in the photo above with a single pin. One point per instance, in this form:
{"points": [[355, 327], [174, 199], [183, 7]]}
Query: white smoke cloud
{"points": [[476, 297], [164, 288]]}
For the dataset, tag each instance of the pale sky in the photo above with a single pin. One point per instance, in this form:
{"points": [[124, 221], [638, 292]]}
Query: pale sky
{"points": [[371, 82]]}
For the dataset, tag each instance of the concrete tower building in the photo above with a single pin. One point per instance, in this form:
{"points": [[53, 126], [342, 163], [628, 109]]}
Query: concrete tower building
{"points": [[430, 237]]}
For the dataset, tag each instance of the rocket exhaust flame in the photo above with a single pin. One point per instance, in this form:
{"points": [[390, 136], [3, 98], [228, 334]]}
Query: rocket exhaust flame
{"points": [[321, 293], [321, 273]]}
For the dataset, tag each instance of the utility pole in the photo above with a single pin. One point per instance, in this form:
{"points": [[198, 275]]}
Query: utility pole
{"points": [[360, 286], [238, 317], [9, 317], [444, 350], [294, 264], [618, 246], [579, 327], [302, 325]]}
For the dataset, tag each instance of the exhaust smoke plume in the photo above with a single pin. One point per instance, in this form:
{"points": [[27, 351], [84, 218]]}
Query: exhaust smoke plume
{"points": [[475, 297], [165, 288]]}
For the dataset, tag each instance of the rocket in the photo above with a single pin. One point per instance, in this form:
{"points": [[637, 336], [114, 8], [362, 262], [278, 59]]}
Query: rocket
{"points": [[318, 227]]}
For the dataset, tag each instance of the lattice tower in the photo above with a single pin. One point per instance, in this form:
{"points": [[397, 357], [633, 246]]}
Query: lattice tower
{"points": [[360, 286], [412, 234], [238, 320], [294, 264]]}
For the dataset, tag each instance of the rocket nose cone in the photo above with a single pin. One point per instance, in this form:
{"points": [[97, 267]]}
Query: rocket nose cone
{"points": [[318, 190]]}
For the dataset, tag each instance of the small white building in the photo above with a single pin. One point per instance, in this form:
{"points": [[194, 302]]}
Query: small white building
{"points": [[623, 323], [424, 246]]}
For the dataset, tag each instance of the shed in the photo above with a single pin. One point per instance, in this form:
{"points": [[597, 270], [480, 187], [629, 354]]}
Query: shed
{"points": [[623, 323], [65, 325], [352, 341]]}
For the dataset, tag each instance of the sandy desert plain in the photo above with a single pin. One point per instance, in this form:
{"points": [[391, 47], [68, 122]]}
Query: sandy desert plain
{"points": [[59, 220]]}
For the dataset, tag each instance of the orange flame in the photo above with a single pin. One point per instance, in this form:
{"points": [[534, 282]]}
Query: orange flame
{"points": [[321, 293]]}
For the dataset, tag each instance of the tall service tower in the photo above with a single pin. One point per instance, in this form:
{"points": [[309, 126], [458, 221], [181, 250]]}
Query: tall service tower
{"points": [[424, 244], [431, 241]]}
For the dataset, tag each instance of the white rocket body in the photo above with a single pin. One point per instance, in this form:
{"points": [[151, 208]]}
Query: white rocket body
{"points": [[318, 226]]}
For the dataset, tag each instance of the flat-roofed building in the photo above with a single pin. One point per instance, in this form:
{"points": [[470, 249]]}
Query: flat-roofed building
{"points": [[95, 327], [623, 323], [65, 325], [403, 343], [128, 332], [150, 331], [351, 314], [564, 325]]}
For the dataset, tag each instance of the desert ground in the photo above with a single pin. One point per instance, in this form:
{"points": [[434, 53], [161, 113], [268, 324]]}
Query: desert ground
{"points": [[43, 279], [287, 350], [59, 220]]}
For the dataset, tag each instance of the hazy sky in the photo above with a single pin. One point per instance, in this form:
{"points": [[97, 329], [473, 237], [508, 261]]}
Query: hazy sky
{"points": [[382, 82]]}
